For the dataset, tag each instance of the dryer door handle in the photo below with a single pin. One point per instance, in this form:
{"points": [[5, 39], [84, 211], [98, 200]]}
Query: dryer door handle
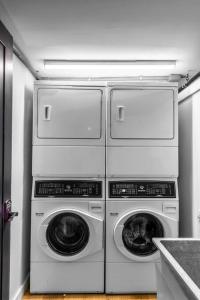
{"points": [[120, 113], [47, 112]]}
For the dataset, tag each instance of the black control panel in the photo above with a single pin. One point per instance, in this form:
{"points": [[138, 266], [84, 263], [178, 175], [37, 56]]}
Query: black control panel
{"points": [[68, 188], [142, 189]]}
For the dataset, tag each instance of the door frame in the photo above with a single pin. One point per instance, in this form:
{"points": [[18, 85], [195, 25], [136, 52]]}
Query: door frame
{"points": [[7, 41]]}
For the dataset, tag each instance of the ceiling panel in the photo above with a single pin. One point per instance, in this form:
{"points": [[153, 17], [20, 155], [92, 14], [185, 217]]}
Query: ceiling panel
{"points": [[107, 29]]}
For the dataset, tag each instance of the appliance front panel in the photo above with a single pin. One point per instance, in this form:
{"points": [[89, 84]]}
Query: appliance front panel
{"points": [[69, 113], [142, 161], [68, 161], [130, 278], [142, 189], [67, 231], [68, 189], [142, 113], [74, 277], [138, 221]]}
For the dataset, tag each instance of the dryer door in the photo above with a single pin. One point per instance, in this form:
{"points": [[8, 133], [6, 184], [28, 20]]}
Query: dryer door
{"points": [[69, 235], [134, 232], [69, 113], [142, 113]]}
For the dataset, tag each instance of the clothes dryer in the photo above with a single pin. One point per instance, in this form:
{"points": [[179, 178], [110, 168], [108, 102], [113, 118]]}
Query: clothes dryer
{"points": [[69, 129], [67, 236], [142, 129], [137, 211]]}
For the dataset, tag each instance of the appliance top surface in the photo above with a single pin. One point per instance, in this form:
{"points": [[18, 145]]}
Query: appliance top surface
{"points": [[104, 83], [73, 83], [142, 83]]}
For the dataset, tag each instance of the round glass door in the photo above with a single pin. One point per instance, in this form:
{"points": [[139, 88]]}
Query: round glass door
{"points": [[138, 232], [67, 234]]}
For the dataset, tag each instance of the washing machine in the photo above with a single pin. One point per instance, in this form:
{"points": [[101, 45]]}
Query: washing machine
{"points": [[142, 129], [69, 126], [137, 211], [67, 236]]}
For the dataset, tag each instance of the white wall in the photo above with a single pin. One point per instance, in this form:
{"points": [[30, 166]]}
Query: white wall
{"points": [[21, 177]]}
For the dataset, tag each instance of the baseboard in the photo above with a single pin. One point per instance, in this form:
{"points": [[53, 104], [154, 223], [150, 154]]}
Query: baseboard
{"points": [[20, 292]]}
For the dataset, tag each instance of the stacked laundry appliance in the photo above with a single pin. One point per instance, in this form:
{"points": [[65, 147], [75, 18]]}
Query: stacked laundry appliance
{"points": [[68, 198], [83, 133], [141, 181]]}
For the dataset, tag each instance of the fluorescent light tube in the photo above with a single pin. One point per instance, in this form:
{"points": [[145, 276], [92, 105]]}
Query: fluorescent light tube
{"points": [[112, 65]]}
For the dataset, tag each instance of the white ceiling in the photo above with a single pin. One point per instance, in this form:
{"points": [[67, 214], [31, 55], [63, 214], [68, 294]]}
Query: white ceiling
{"points": [[106, 29]]}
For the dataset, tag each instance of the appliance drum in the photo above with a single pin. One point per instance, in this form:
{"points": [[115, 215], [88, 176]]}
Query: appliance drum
{"points": [[67, 234], [138, 232]]}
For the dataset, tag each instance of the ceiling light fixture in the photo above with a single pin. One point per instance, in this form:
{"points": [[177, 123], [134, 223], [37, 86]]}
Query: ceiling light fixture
{"points": [[108, 64]]}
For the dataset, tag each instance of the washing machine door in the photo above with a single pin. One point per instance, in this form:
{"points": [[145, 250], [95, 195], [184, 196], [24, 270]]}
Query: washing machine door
{"points": [[67, 233], [70, 234], [133, 234]]}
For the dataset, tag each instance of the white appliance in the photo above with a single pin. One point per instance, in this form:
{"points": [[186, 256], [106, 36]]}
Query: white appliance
{"points": [[142, 129], [189, 142], [67, 236], [137, 210], [69, 129], [68, 204]]}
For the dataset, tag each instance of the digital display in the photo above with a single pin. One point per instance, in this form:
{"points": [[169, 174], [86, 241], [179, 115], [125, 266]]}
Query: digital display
{"points": [[68, 188], [142, 189]]}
